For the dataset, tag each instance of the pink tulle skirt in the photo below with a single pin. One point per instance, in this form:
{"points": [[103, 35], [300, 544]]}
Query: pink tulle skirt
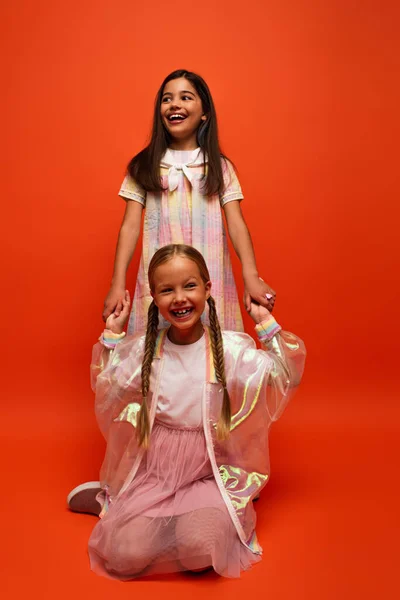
{"points": [[171, 518]]}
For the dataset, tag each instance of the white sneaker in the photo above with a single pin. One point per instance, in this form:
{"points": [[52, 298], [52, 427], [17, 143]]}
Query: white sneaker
{"points": [[82, 499]]}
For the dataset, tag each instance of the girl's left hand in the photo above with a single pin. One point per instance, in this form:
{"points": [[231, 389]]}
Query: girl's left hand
{"points": [[258, 313], [116, 323], [256, 289]]}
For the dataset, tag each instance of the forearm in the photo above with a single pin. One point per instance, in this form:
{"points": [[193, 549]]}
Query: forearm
{"points": [[127, 241], [243, 245], [255, 287]]}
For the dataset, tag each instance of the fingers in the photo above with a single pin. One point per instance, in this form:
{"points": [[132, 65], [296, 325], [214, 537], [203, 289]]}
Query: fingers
{"points": [[267, 302], [271, 302], [247, 301], [118, 308], [109, 307], [257, 312], [109, 321], [127, 299], [270, 296], [125, 305]]}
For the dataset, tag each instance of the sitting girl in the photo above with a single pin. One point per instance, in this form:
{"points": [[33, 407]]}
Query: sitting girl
{"points": [[185, 412]]}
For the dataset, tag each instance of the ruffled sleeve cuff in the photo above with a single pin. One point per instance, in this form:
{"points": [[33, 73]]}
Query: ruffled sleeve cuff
{"points": [[109, 339], [267, 329]]}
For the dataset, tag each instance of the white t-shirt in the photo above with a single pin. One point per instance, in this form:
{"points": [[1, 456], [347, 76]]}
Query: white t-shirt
{"points": [[182, 384]]}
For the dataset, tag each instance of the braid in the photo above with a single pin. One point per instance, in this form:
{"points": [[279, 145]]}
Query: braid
{"points": [[143, 423], [224, 422]]}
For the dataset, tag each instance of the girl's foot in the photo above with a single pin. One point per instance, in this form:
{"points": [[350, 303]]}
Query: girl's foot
{"points": [[82, 499]]}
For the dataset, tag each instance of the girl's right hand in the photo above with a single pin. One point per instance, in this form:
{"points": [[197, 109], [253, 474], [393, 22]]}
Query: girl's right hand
{"points": [[113, 301], [116, 323]]}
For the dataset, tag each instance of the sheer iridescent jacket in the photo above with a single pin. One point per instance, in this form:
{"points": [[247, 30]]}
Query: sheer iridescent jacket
{"points": [[260, 384]]}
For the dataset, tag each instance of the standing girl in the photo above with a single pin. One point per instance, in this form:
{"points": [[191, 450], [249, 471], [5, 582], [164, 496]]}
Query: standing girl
{"points": [[182, 180], [185, 412]]}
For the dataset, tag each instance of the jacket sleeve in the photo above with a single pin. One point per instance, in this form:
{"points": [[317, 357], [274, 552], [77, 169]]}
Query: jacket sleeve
{"points": [[287, 355], [115, 376]]}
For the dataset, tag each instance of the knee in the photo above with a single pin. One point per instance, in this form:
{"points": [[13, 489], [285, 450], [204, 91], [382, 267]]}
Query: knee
{"points": [[127, 558], [195, 560]]}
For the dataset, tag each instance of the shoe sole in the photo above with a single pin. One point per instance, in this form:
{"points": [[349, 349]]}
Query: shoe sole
{"points": [[82, 499]]}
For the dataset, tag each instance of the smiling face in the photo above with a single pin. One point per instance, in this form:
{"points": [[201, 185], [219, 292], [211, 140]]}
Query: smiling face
{"points": [[181, 294], [181, 113]]}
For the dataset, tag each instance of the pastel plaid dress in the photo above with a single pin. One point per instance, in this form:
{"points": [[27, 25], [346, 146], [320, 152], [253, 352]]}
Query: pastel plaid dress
{"points": [[182, 214]]}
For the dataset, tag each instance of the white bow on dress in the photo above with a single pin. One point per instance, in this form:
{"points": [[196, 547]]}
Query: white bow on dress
{"points": [[175, 169]]}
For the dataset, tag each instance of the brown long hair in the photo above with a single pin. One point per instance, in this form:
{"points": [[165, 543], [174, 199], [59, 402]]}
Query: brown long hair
{"points": [[145, 166], [160, 257]]}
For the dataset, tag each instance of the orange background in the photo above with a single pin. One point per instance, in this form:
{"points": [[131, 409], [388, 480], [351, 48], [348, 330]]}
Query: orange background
{"points": [[307, 96]]}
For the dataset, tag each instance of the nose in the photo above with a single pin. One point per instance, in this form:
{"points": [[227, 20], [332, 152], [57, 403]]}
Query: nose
{"points": [[180, 297], [175, 104]]}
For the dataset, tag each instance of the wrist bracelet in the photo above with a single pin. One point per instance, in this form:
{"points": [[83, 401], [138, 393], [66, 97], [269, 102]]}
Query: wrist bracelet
{"points": [[267, 329], [111, 339]]}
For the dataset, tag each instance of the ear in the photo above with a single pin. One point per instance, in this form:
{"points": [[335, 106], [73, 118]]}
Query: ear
{"points": [[154, 298], [204, 118], [208, 289]]}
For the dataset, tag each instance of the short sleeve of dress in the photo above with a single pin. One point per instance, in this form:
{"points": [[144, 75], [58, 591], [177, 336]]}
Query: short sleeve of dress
{"points": [[131, 190], [232, 190]]}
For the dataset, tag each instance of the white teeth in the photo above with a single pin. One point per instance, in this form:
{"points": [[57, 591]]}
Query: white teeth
{"points": [[176, 117], [182, 312]]}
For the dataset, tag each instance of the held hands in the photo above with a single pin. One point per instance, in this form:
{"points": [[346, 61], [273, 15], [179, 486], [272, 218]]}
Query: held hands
{"points": [[256, 289], [258, 313], [116, 321], [113, 301]]}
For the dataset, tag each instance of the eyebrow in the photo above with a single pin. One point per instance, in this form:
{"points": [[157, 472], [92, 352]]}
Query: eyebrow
{"points": [[181, 92]]}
